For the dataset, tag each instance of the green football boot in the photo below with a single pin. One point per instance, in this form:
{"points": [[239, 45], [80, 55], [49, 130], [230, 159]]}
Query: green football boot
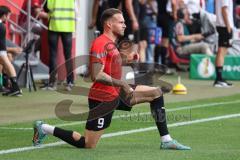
{"points": [[38, 135], [173, 144]]}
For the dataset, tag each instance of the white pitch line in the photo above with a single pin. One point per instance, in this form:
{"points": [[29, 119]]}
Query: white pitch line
{"points": [[168, 110], [121, 133], [9, 128], [137, 114]]}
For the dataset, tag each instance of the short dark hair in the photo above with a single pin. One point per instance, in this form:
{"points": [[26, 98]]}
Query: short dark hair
{"points": [[4, 10], [181, 12], [109, 13]]}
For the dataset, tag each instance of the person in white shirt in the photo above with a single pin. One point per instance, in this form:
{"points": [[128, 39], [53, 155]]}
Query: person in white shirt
{"points": [[225, 24], [194, 6]]}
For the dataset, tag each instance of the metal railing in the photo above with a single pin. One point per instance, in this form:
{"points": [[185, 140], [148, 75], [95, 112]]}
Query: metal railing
{"points": [[30, 18], [26, 13]]}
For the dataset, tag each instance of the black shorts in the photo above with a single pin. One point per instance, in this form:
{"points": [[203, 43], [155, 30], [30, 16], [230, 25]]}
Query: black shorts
{"points": [[164, 21], [224, 37], [100, 114]]}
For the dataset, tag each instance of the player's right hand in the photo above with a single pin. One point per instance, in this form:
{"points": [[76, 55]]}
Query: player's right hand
{"points": [[127, 90]]}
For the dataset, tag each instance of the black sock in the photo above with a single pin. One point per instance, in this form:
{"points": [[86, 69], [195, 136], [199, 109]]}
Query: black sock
{"points": [[219, 73], [163, 53], [67, 136], [64, 135], [14, 83], [5, 80], [159, 115]]}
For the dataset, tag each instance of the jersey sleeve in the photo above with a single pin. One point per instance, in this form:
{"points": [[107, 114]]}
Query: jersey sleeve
{"points": [[97, 54], [224, 3]]}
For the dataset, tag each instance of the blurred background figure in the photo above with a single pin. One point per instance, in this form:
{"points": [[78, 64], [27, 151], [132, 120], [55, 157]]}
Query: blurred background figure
{"points": [[148, 16], [167, 14], [183, 41], [5, 63], [62, 19], [225, 26], [97, 9], [237, 13]]}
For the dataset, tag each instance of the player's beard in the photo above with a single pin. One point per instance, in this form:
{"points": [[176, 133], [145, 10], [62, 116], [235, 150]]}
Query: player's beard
{"points": [[119, 34]]}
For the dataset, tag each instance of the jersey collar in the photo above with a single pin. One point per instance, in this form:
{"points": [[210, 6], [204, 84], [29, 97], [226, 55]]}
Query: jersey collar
{"points": [[108, 37]]}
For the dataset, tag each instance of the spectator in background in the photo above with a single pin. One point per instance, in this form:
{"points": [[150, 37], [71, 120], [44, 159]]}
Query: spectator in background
{"points": [[237, 10], [201, 20], [149, 22], [13, 50], [131, 13], [61, 24], [194, 7], [143, 31], [166, 16], [38, 13], [36, 9], [225, 25], [130, 9], [97, 9], [184, 42], [37, 31], [236, 13], [4, 61], [210, 6]]}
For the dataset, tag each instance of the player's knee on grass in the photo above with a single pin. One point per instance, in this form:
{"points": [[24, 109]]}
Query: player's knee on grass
{"points": [[70, 137], [80, 143], [90, 145]]}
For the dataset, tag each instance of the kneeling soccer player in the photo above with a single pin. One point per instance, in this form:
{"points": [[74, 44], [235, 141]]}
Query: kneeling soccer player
{"points": [[108, 93]]}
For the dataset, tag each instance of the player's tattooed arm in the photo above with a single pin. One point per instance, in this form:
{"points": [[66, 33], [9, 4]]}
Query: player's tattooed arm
{"points": [[98, 75]]}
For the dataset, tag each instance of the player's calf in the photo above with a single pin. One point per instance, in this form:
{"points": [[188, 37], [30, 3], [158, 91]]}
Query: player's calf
{"points": [[71, 137]]}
